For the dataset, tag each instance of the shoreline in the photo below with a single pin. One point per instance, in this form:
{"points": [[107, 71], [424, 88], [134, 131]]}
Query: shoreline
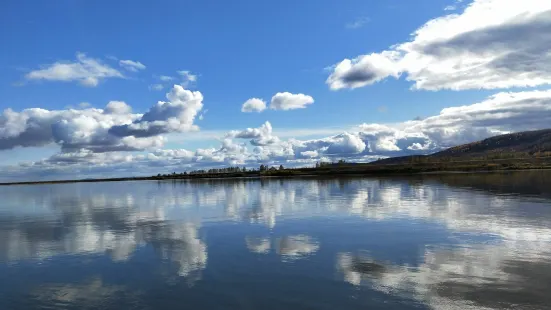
{"points": [[367, 171]]}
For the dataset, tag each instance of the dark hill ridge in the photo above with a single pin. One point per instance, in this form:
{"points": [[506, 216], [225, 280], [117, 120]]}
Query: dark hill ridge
{"points": [[508, 145], [529, 142]]}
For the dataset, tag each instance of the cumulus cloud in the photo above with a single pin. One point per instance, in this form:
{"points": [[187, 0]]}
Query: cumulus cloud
{"points": [[259, 136], [86, 71], [346, 144], [175, 115], [254, 105], [281, 101], [118, 107], [498, 114], [364, 70], [71, 129], [84, 136], [287, 101], [130, 65], [114, 128], [491, 44]]}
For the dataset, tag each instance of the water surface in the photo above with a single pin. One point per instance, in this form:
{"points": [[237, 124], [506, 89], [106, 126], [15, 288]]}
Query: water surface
{"points": [[465, 241]]}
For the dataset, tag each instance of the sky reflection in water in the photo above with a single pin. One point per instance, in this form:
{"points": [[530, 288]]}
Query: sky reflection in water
{"points": [[439, 242]]}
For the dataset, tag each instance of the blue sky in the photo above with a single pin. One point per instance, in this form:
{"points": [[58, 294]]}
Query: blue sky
{"points": [[238, 50]]}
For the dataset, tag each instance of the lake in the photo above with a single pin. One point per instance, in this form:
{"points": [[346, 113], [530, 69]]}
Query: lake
{"points": [[458, 241]]}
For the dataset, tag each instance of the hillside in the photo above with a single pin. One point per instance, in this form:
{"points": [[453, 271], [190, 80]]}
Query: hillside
{"points": [[518, 144], [530, 142]]}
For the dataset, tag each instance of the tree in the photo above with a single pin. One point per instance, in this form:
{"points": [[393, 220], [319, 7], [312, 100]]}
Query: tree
{"points": [[262, 168], [281, 167]]}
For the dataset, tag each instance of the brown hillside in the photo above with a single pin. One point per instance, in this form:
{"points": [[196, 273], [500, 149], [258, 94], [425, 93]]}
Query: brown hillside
{"points": [[521, 142]]}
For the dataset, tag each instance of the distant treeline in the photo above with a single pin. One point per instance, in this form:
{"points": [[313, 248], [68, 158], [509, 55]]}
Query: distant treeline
{"points": [[244, 171], [391, 166]]}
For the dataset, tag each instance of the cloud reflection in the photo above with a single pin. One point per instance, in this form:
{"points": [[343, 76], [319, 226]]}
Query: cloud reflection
{"points": [[95, 227], [93, 293], [480, 277], [508, 214], [296, 247], [290, 248], [258, 245]]}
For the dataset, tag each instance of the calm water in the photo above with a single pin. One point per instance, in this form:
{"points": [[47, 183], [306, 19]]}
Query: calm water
{"points": [[439, 242]]}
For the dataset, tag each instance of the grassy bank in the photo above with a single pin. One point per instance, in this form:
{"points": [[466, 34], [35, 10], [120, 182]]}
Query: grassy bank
{"points": [[412, 167]]}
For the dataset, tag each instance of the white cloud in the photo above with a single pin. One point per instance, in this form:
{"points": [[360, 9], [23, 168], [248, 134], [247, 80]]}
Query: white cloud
{"points": [[364, 70], [85, 135], [86, 71], [501, 113], [259, 136], [114, 128], [311, 154], [287, 101], [453, 7], [84, 105], [71, 129], [358, 23], [118, 107], [491, 44], [254, 105], [175, 115], [166, 78], [346, 144], [130, 65], [157, 87], [188, 78]]}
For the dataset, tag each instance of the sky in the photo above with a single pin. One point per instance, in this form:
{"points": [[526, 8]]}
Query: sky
{"points": [[103, 88]]}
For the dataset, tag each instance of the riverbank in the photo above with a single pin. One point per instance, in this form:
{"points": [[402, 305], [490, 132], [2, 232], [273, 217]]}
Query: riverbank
{"points": [[344, 169]]}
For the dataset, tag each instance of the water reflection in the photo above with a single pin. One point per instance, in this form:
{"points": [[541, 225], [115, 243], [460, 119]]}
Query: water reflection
{"points": [[92, 293], [359, 268], [296, 247], [482, 277], [258, 245], [288, 247], [99, 225], [493, 249]]}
